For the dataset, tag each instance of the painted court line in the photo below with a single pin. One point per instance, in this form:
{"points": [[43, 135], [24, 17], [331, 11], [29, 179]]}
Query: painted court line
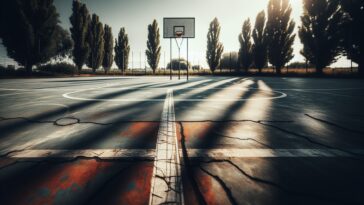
{"points": [[270, 153], [193, 153], [100, 153], [166, 186]]}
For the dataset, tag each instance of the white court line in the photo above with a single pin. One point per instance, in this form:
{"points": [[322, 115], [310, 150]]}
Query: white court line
{"points": [[101, 153], [192, 153], [281, 95], [270, 153], [317, 89], [166, 185]]}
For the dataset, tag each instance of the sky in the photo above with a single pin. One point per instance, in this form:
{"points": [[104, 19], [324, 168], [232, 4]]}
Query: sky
{"points": [[135, 15]]}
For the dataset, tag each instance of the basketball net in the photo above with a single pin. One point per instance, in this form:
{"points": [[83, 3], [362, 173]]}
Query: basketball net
{"points": [[179, 39]]}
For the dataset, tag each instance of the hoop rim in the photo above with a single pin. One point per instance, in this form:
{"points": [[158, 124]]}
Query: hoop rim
{"points": [[178, 34]]}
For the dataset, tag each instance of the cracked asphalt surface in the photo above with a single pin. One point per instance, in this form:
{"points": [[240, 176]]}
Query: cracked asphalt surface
{"points": [[106, 114]]}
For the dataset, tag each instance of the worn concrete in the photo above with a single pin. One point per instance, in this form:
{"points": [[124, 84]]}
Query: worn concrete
{"points": [[241, 140]]}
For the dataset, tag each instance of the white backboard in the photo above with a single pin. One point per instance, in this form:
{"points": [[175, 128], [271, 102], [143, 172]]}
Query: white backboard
{"points": [[173, 25]]}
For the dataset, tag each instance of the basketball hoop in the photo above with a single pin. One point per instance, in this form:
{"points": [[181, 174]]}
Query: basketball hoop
{"points": [[178, 29], [179, 34]]}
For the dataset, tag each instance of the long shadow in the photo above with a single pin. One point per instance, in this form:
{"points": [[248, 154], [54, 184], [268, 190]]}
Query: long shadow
{"points": [[118, 123], [93, 80], [139, 105], [101, 134], [136, 110], [210, 138], [207, 140], [43, 117], [94, 137]]}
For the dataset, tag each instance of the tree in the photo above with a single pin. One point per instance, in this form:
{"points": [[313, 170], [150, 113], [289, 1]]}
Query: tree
{"points": [[280, 37], [153, 51], [108, 49], [245, 52], [320, 22], [79, 29], [122, 50], [260, 46], [214, 46], [178, 62], [354, 31], [31, 32], [230, 61], [96, 41]]}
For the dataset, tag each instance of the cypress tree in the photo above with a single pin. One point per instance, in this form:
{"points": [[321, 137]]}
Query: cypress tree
{"points": [[31, 32], [96, 41], [122, 50], [153, 46], [319, 34], [245, 52], [108, 48], [214, 46], [79, 29], [353, 31], [260, 44], [280, 28]]}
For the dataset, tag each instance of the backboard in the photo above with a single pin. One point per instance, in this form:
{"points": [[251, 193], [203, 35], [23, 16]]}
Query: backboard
{"points": [[179, 28]]}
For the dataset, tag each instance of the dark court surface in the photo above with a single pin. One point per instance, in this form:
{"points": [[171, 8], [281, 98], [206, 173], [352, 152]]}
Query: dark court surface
{"points": [[231, 132]]}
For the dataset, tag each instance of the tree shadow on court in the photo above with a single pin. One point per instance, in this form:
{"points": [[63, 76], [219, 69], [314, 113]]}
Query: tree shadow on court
{"points": [[287, 180], [88, 140], [60, 112], [85, 80], [96, 135]]}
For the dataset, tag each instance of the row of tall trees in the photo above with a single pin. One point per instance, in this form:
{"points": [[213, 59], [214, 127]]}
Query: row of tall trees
{"points": [[93, 41], [270, 40], [330, 28]]}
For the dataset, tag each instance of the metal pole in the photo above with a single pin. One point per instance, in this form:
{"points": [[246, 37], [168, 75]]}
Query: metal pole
{"points": [[187, 60], [170, 62], [145, 62], [179, 63], [140, 61], [164, 58]]}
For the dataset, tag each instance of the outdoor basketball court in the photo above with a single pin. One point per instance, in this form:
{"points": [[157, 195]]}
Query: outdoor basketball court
{"points": [[211, 140]]}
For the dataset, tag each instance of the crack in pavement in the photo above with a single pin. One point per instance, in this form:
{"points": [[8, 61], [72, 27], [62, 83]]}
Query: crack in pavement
{"points": [[195, 187], [335, 125], [168, 183], [227, 190], [11, 152], [274, 184], [76, 121], [244, 139], [79, 121], [354, 155]]}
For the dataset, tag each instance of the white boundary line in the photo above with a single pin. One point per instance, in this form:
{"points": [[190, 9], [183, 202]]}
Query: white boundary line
{"points": [[282, 95], [166, 185], [101, 153]]}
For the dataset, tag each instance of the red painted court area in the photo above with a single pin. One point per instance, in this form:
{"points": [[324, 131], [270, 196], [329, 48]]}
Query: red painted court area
{"points": [[80, 181]]}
